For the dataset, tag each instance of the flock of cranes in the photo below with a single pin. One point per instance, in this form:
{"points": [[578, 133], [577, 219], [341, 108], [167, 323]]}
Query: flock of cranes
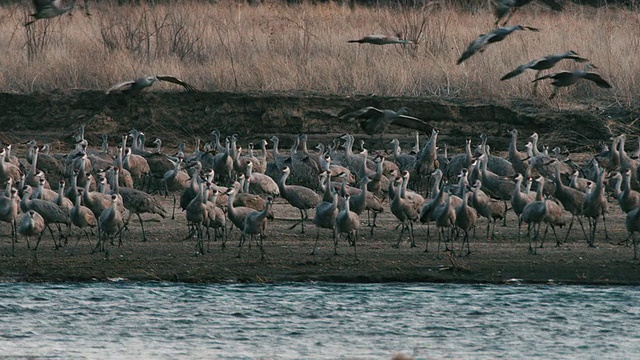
{"points": [[504, 9], [221, 189]]}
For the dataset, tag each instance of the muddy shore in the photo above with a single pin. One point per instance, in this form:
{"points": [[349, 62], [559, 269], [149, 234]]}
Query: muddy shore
{"points": [[167, 257]]}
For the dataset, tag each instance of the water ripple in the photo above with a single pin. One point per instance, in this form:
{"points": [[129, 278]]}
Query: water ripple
{"points": [[320, 321]]}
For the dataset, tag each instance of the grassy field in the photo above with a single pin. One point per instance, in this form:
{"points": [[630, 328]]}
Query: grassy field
{"points": [[239, 47]]}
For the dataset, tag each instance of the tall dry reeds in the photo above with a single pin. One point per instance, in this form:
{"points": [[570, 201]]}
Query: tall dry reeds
{"points": [[239, 47]]}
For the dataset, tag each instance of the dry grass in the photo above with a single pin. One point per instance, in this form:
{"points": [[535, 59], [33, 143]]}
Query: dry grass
{"points": [[238, 47]]}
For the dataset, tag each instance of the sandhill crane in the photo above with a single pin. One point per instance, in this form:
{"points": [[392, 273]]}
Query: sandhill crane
{"points": [[255, 223], [352, 161], [196, 214], [239, 164], [465, 219], [498, 186], [426, 158], [416, 199], [378, 39], [567, 78], [493, 36], [626, 162], [8, 170], [261, 160], [444, 216], [609, 157], [544, 63], [216, 218], [259, 183], [47, 9], [517, 158], [347, 222], [405, 211], [379, 182], [176, 180], [98, 202], [223, 162], [138, 167], [403, 160], [595, 205], [364, 171], [495, 164], [44, 194], [52, 167], [489, 208], [137, 85], [83, 170], [334, 170], [31, 224], [632, 223], [72, 192], [158, 162], [111, 224], [508, 8], [628, 199], [191, 191], [50, 212], [244, 198], [9, 205], [572, 200], [519, 200], [125, 177], [443, 158], [82, 217], [10, 158], [578, 183], [326, 186], [459, 162], [62, 200], [375, 121], [437, 198], [137, 202], [298, 196], [553, 217], [533, 214], [366, 201], [236, 214], [325, 218]]}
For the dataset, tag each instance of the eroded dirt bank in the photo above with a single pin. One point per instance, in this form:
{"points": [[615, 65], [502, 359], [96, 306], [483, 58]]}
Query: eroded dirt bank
{"points": [[182, 115]]}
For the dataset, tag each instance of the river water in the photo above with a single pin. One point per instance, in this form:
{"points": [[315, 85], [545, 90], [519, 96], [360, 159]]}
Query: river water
{"points": [[125, 320]]}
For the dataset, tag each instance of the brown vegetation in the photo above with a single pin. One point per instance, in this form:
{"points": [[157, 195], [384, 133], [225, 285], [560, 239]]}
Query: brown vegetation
{"points": [[233, 46]]}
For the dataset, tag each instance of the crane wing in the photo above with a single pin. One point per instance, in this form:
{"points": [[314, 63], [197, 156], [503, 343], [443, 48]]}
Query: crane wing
{"points": [[474, 47], [579, 59], [598, 80], [519, 70], [411, 122], [364, 113], [42, 4], [175, 80], [120, 86], [557, 75]]}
